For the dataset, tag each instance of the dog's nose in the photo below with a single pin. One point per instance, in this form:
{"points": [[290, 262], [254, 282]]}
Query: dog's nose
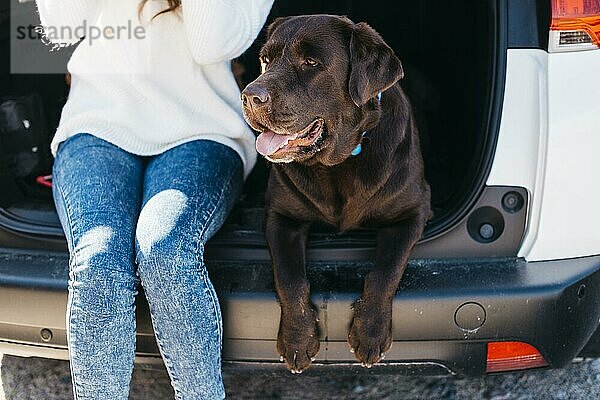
{"points": [[255, 96]]}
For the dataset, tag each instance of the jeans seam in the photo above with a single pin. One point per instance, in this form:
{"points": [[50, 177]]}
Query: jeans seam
{"points": [[216, 307], [213, 295], [166, 360], [69, 315], [214, 209], [68, 213]]}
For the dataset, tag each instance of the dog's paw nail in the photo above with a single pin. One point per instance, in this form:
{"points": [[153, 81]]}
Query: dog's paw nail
{"points": [[367, 365], [351, 350], [312, 359], [382, 356], [281, 358]]}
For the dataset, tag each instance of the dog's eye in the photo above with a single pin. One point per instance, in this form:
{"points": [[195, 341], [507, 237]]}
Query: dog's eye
{"points": [[311, 62]]}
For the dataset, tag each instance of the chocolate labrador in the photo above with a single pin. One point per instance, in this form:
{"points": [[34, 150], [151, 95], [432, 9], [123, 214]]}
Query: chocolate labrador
{"points": [[342, 138]]}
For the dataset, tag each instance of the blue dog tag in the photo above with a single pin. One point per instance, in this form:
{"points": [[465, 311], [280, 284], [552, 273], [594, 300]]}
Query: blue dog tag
{"points": [[357, 150]]}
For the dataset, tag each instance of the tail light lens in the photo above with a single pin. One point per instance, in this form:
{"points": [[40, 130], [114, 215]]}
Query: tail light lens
{"points": [[512, 356], [575, 25]]}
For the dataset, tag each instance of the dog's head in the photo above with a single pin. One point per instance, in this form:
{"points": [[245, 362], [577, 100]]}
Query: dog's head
{"points": [[317, 93]]}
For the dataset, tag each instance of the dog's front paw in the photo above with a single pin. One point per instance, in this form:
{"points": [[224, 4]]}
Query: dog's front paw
{"points": [[370, 333], [298, 341]]}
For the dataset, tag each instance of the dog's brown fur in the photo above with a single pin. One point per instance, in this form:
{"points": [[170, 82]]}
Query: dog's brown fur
{"points": [[383, 187]]}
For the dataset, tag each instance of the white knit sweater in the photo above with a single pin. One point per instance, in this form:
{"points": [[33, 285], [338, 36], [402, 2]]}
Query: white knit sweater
{"points": [[169, 85]]}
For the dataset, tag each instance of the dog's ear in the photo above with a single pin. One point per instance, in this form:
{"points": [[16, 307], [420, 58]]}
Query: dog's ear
{"points": [[273, 25], [373, 65]]}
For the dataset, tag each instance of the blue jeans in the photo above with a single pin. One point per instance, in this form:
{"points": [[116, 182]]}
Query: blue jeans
{"points": [[128, 220]]}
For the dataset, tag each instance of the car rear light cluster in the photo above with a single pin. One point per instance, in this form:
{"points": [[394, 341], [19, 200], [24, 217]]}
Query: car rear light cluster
{"points": [[512, 356], [575, 25]]}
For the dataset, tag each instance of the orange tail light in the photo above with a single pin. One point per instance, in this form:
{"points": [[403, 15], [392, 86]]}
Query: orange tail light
{"points": [[511, 356], [575, 25]]}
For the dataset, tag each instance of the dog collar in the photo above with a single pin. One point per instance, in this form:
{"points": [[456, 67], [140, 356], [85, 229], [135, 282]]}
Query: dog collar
{"points": [[358, 147]]}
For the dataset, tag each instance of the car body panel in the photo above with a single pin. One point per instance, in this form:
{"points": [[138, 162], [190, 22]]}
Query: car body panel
{"points": [[548, 144]]}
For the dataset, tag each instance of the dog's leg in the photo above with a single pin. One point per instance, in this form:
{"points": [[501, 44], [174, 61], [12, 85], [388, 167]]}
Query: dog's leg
{"points": [[297, 340], [370, 334]]}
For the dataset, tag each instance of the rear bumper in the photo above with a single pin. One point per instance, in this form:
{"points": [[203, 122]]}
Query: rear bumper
{"points": [[553, 305]]}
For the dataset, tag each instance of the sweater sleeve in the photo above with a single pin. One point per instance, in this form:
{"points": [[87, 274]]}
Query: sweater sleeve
{"points": [[65, 16], [220, 30]]}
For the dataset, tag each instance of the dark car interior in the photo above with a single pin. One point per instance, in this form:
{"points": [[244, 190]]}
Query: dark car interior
{"points": [[447, 49]]}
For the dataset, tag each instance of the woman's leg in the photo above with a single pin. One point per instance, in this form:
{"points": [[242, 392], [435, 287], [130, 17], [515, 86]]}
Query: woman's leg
{"points": [[97, 189], [188, 192]]}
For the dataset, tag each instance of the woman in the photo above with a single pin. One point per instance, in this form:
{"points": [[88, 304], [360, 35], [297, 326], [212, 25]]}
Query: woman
{"points": [[150, 156]]}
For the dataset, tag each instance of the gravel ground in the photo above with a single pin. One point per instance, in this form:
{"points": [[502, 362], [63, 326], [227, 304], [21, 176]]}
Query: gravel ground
{"points": [[40, 379]]}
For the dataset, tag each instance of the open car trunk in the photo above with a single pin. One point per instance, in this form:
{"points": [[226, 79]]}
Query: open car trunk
{"points": [[453, 55]]}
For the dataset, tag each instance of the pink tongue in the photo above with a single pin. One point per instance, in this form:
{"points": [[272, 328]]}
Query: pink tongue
{"points": [[269, 142]]}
